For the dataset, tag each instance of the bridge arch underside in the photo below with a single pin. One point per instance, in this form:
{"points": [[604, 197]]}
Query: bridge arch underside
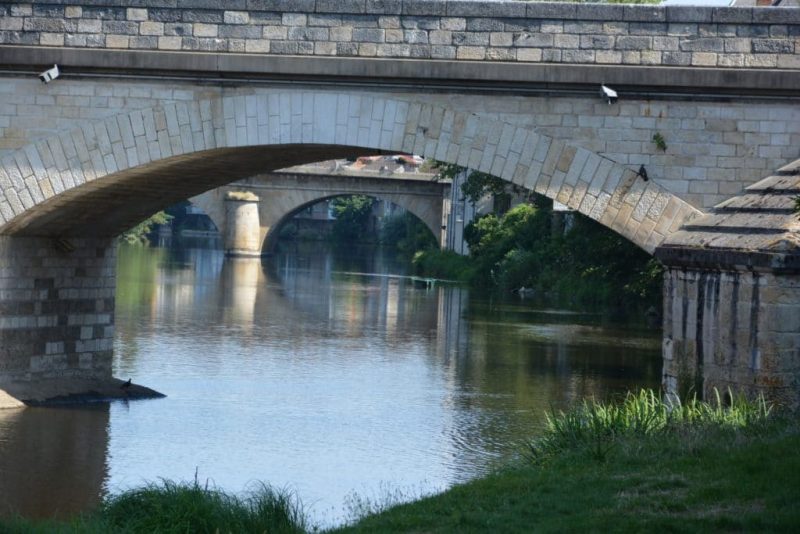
{"points": [[430, 213]]}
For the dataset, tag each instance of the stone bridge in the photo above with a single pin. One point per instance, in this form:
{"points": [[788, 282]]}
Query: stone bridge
{"points": [[164, 101], [249, 225]]}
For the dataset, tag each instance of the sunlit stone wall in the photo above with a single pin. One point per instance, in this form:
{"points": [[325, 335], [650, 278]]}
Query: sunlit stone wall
{"points": [[429, 29], [732, 329], [56, 308]]}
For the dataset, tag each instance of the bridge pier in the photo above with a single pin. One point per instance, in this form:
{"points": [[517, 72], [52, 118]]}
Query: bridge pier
{"points": [[242, 225], [732, 296], [729, 329], [57, 319]]}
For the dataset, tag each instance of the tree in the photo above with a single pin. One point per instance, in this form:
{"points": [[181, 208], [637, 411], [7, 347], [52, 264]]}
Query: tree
{"points": [[352, 217], [138, 234]]}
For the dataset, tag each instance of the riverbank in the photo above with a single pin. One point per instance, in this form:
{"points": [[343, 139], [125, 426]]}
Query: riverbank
{"points": [[601, 468], [690, 478]]}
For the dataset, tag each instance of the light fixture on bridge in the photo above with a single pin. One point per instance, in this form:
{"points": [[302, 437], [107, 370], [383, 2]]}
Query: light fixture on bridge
{"points": [[50, 74], [608, 93], [642, 173]]}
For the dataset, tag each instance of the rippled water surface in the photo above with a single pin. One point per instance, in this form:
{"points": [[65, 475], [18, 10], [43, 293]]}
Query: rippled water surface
{"points": [[326, 373]]}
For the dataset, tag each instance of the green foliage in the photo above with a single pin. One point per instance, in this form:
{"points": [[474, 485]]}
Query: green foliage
{"points": [[595, 426], [477, 184], [443, 264], [179, 508], [352, 217], [659, 141], [407, 233], [588, 264], [138, 234]]}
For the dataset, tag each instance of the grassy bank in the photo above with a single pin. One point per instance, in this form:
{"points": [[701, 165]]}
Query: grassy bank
{"points": [[641, 465], [635, 468]]}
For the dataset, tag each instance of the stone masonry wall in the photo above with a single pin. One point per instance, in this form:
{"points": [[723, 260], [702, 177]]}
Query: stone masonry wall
{"points": [[738, 330], [714, 149], [434, 29], [56, 309]]}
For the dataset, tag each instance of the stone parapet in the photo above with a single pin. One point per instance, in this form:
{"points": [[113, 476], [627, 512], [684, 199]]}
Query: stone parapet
{"points": [[530, 32]]}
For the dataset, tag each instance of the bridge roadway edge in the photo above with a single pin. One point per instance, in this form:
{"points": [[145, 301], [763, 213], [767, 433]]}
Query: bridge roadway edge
{"points": [[495, 76]]}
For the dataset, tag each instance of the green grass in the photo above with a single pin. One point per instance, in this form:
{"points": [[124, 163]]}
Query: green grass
{"points": [[640, 465], [173, 508]]}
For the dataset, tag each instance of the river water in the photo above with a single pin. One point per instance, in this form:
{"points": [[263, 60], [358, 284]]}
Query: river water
{"points": [[325, 373]]}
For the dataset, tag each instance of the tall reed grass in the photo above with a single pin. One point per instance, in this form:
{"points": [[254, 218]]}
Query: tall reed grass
{"points": [[596, 425]]}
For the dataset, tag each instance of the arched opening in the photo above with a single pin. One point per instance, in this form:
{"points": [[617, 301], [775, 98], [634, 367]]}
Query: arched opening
{"points": [[349, 219], [70, 195]]}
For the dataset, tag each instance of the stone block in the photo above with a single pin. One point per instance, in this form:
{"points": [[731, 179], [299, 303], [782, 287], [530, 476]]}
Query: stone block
{"points": [[387, 7], [773, 46], [341, 6], [565, 11], [625, 42], [51, 39], [136, 14], [368, 35], [688, 14], [236, 17], [645, 13], [151, 28], [425, 7]]}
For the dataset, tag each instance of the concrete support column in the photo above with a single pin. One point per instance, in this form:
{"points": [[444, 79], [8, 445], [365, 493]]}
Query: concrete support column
{"points": [[732, 330], [56, 313], [242, 226]]}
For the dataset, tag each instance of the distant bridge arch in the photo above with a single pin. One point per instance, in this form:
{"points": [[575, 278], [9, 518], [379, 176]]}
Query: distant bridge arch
{"points": [[282, 195]]}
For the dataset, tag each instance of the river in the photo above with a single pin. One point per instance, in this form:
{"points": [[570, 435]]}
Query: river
{"points": [[329, 374]]}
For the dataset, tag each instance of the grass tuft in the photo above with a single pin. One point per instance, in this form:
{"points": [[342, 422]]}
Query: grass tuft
{"points": [[181, 508], [595, 426]]}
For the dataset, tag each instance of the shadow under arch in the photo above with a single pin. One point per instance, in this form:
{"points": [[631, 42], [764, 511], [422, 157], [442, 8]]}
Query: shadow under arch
{"points": [[106, 176], [271, 238]]}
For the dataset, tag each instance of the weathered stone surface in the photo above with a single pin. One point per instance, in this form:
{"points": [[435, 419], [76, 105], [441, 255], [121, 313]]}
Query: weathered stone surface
{"points": [[506, 26]]}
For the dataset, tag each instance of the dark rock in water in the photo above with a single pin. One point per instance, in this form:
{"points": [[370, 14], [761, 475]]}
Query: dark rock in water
{"points": [[66, 391]]}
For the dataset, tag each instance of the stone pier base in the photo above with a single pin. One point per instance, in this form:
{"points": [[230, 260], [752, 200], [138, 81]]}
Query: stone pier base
{"points": [[732, 296], [730, 330], [242, 225], [57, 319]]}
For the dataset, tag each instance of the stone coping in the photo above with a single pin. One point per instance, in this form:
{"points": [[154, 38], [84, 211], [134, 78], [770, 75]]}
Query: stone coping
{"points": [[465, 8], [749, 232], [423, 72]]}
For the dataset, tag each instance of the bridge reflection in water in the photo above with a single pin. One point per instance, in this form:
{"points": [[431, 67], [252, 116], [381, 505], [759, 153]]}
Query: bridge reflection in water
{"points": [[52, 460], [303, 372]]}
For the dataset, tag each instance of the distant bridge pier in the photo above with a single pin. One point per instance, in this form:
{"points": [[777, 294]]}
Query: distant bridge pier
{"points": [[732, 297], [242, 225]]}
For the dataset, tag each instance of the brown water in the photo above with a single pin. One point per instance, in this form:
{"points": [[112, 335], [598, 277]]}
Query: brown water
{"points": [[329, 374]]}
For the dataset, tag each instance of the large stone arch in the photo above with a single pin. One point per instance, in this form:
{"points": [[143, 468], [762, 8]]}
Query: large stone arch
{"points": [[101, 178]]}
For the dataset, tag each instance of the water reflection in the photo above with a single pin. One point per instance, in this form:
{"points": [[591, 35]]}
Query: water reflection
{"points": [[321, 371], [52, 461]]}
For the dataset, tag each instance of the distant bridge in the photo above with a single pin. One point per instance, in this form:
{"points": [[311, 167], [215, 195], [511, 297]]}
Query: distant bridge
{"points": [[281, 195]]}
